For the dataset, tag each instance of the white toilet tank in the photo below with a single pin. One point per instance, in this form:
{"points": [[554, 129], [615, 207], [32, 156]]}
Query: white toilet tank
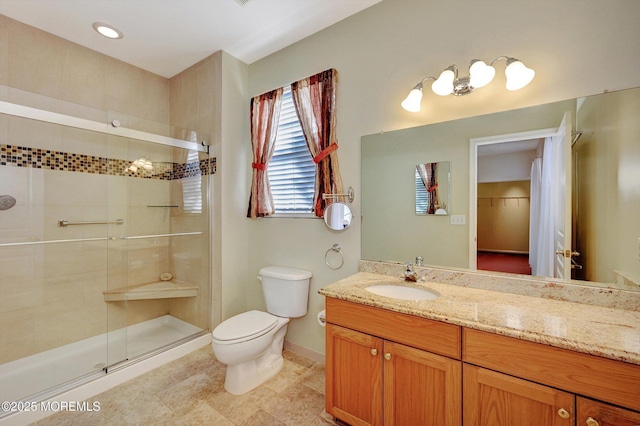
{"points": [[286, 290]]}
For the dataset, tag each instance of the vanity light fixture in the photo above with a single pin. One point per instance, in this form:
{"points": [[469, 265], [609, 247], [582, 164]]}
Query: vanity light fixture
{"points": [[107, 30], [480, 74]]}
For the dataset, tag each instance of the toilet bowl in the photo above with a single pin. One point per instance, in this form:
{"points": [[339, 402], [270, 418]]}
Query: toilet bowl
{"points": [[251, 343]]}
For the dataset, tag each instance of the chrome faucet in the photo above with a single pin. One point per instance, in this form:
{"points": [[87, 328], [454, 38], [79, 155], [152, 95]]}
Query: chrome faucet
{"points": [[409, 273], [419, 260]]}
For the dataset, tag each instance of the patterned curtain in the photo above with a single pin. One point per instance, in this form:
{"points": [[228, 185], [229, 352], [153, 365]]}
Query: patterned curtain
{"points": [[432, 188], [265, 114], [315, 101]]}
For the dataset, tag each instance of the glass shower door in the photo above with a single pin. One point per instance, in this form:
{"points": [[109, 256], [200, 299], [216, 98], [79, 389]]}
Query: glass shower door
{"points": [[104, 244], [158, 286], [53, 256]]}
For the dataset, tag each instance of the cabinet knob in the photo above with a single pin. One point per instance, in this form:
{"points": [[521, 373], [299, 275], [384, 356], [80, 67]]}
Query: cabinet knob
{"points": [[387, 356], [564, 413], [374, 352], [592, 422]]}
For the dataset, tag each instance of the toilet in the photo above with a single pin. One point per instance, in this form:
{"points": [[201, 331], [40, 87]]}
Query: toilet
{"points": [[250, 344]]}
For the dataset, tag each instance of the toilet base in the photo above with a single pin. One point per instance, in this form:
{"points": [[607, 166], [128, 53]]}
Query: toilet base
{"points": [[246, 376]]}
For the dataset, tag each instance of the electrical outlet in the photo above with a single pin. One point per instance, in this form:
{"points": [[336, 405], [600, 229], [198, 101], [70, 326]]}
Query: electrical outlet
{"points": [[458, 219]]}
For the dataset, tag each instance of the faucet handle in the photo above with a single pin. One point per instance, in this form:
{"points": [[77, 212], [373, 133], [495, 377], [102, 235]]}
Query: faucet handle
{"points": [[419, 260]]}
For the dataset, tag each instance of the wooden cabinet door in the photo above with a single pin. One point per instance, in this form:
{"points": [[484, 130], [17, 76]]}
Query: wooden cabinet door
{"points": [[495, 399], [354, 376], [421, 388], [595, 413]]}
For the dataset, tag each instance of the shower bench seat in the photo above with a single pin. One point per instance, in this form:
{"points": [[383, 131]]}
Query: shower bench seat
{"points": [[154, 290]]}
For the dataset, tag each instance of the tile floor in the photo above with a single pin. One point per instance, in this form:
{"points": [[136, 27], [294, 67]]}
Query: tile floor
{"points": [[189, 391]]}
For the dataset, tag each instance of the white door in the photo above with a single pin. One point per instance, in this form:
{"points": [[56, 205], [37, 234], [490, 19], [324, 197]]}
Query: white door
{"points": [[562, 175]]}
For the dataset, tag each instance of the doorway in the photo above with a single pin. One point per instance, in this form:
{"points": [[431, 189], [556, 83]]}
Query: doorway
{"points": [[499, 204]]}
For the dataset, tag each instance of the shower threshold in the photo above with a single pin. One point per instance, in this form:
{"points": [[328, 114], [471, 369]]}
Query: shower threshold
{"points": [[26, 377]]}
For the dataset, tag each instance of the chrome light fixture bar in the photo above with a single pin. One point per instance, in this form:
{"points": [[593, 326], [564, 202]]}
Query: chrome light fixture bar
{"points": [[480, 74]]}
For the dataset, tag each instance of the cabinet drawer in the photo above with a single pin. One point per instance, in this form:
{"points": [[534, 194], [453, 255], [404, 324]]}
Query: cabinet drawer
{"points": [[608, 380], [421, 333]]}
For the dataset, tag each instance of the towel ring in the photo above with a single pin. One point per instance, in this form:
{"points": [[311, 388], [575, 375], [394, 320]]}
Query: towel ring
{"points": [[335, 248]]}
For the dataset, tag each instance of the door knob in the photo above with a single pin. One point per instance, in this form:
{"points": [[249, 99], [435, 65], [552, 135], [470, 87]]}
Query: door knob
{"points": [[387, 356], [374, 352], [568, 253], [563, 413]]}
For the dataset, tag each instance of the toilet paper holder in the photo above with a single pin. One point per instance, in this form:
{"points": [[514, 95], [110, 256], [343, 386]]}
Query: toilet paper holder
{"points": [[322, 318]]}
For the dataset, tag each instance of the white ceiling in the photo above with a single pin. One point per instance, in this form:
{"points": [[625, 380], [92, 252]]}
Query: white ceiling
{"points": [[168, 36]]}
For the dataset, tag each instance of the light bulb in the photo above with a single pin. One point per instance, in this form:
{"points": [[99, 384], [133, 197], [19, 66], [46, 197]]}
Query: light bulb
{"points": [[443, 86], [133, 168], [517, 74], [480, 74], [412, 101], [107, 30]]}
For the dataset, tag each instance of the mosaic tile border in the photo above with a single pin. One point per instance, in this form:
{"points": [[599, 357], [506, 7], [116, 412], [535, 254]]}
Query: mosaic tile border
{"points": [[20, 156]]}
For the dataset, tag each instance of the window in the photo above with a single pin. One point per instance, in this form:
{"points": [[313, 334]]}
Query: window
{"points": [[422, 196], [291, 168], [192, 182]]}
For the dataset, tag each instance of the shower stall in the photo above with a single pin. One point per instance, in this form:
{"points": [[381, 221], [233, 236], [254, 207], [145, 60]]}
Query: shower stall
{"points": [[104, 242]]}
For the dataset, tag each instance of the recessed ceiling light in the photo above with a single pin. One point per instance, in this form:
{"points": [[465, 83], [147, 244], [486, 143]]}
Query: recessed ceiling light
{"points": [[107, 30]]}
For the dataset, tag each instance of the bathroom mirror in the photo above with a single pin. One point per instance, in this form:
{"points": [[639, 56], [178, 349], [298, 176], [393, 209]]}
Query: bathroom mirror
{"points": [[338, 216], [433, 188], [605, 175]]}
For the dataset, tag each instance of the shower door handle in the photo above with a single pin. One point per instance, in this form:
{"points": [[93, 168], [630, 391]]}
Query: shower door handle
{"points": [[63, 223]]}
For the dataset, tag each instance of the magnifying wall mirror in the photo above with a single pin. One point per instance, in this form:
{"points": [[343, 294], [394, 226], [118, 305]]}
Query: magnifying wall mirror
{"points": [[338, 216], [433, 188]]}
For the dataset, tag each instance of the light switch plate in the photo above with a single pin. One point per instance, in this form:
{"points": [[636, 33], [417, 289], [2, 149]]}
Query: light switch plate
{"points": [[458, 219]]}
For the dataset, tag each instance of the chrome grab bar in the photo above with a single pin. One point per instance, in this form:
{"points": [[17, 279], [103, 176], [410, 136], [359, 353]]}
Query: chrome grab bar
{"points": [[95, 222], [178, 234], [32, 243], [80, 240]]}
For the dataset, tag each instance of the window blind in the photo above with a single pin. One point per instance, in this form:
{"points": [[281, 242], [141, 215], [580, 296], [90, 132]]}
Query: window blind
{"points": [[422, 195], [291, 169], [192, 186]]}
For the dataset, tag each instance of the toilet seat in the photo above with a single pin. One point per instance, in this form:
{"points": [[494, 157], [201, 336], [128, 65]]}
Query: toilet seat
{"points": [[245, 326]]}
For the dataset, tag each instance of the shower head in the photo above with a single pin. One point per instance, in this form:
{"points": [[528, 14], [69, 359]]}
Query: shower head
{"points": [[6, 202]]}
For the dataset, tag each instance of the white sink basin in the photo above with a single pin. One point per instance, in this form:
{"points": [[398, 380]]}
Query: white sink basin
{"points": [[402, 292]]}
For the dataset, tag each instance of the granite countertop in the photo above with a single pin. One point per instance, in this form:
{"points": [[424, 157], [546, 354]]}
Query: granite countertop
{"points": [[597, 330]]}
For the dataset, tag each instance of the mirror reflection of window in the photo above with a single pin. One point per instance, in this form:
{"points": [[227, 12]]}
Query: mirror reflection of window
{"points": [[422, 196], [432, 188]]}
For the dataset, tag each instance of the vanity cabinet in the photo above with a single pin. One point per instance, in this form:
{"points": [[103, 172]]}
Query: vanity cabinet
{"points": [[511, 381], [388, 368], [382, 369]]}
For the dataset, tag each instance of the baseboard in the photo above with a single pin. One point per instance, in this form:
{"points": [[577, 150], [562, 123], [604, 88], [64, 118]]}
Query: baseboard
{"points": [[502, 251], [305, 352]]}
